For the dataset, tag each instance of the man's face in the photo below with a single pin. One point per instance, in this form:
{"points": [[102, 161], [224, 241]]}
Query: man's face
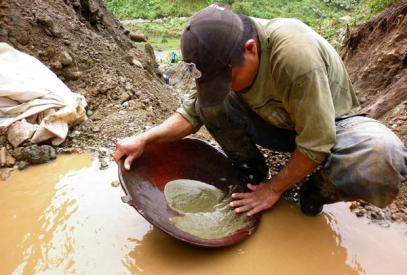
{"points": [[244, 75]]}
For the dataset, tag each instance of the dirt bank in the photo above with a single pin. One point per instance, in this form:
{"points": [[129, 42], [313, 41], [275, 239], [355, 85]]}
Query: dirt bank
{"points": [[89, 50], [376, 57], [375, 54]]}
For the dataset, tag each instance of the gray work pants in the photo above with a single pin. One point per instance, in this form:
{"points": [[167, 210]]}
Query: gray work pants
{"points": [[367, 162]]}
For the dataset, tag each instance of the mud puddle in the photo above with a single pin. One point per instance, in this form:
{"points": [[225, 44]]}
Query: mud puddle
{"points": [[66, 218]]}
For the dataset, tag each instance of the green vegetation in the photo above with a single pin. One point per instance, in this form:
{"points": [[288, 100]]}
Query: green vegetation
{"points": [[151, 9], [307, 10], [328, 17], [162, 34]]}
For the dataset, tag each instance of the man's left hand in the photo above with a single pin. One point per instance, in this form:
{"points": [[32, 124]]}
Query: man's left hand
{"points": [[261, 198]]}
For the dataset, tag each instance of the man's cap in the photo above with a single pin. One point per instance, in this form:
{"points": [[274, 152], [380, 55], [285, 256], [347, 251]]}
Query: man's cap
{"points": [[209, 41]]}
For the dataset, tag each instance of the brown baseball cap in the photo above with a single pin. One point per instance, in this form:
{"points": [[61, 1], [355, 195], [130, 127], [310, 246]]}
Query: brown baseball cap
{"points": [[208, 43]]}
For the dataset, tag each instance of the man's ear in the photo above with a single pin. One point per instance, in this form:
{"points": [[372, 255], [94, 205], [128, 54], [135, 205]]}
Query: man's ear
{"points": [[251, 46]]}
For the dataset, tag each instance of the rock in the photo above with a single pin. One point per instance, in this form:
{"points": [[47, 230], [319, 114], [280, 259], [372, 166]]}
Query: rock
{"points": [[136, 37], [146, 102], [20, 131], [376, 215], [6, 160], [3, 33], [70, 150], [115, 183], [138, 63], [96, 129], [67, 42], [71, 73], [3, 153], [393, 206], [89, 113], [397, 216], [21, 165], [35, 154], [48, 24], [362, 99], [150, 51], [125, 31], [166, 79], [128, 86], [20, 35], [129, 58], [354, 205], [124, 97], [75, 134], [76, 4], [56, 65], [359, 213], [125, 104], [103, 164], [103, 151], [10, 161], [136, 93], [3, 140], [65, 58], [363, 203]]}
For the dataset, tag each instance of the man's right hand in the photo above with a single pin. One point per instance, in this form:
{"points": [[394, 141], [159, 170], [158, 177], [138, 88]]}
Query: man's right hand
{"points": [[131, 148], [173, 128]]}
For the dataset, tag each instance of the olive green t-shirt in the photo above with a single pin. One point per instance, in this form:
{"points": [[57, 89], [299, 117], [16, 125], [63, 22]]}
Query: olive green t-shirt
{"points": [[301, 85]]}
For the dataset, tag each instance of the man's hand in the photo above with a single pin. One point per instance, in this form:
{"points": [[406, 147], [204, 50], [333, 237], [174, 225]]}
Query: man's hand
{"points": [[173, 128], [131, 147], [265, 195], [261, 198]]}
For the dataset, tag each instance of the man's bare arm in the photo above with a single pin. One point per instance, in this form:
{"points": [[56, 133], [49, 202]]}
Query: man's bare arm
{"points": [[173, 128], [265, 195]]}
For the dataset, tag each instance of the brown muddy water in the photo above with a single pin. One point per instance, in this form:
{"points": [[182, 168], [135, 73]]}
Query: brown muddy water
{"points": [[66, 218]]}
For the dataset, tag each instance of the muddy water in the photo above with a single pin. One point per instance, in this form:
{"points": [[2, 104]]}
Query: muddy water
{"points": [[66, 218]]}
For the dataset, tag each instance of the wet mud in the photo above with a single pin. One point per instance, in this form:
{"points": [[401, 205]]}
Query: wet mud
{"points": [[205, 210], [191, 196], [65, 217]]}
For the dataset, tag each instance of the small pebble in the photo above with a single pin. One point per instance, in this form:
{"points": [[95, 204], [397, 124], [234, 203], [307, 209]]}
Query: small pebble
{"points": [[96, 129], [75, 134], [376, 215], [21, 165], [103, 164], [354, 205], [115, 183], [359, 213]]}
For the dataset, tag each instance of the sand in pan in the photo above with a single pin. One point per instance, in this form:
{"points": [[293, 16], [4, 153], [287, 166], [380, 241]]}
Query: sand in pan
{"points": [[206, 212]]}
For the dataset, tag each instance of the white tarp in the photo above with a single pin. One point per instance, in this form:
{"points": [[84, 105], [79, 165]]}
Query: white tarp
{"points": [[28, 89]]}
